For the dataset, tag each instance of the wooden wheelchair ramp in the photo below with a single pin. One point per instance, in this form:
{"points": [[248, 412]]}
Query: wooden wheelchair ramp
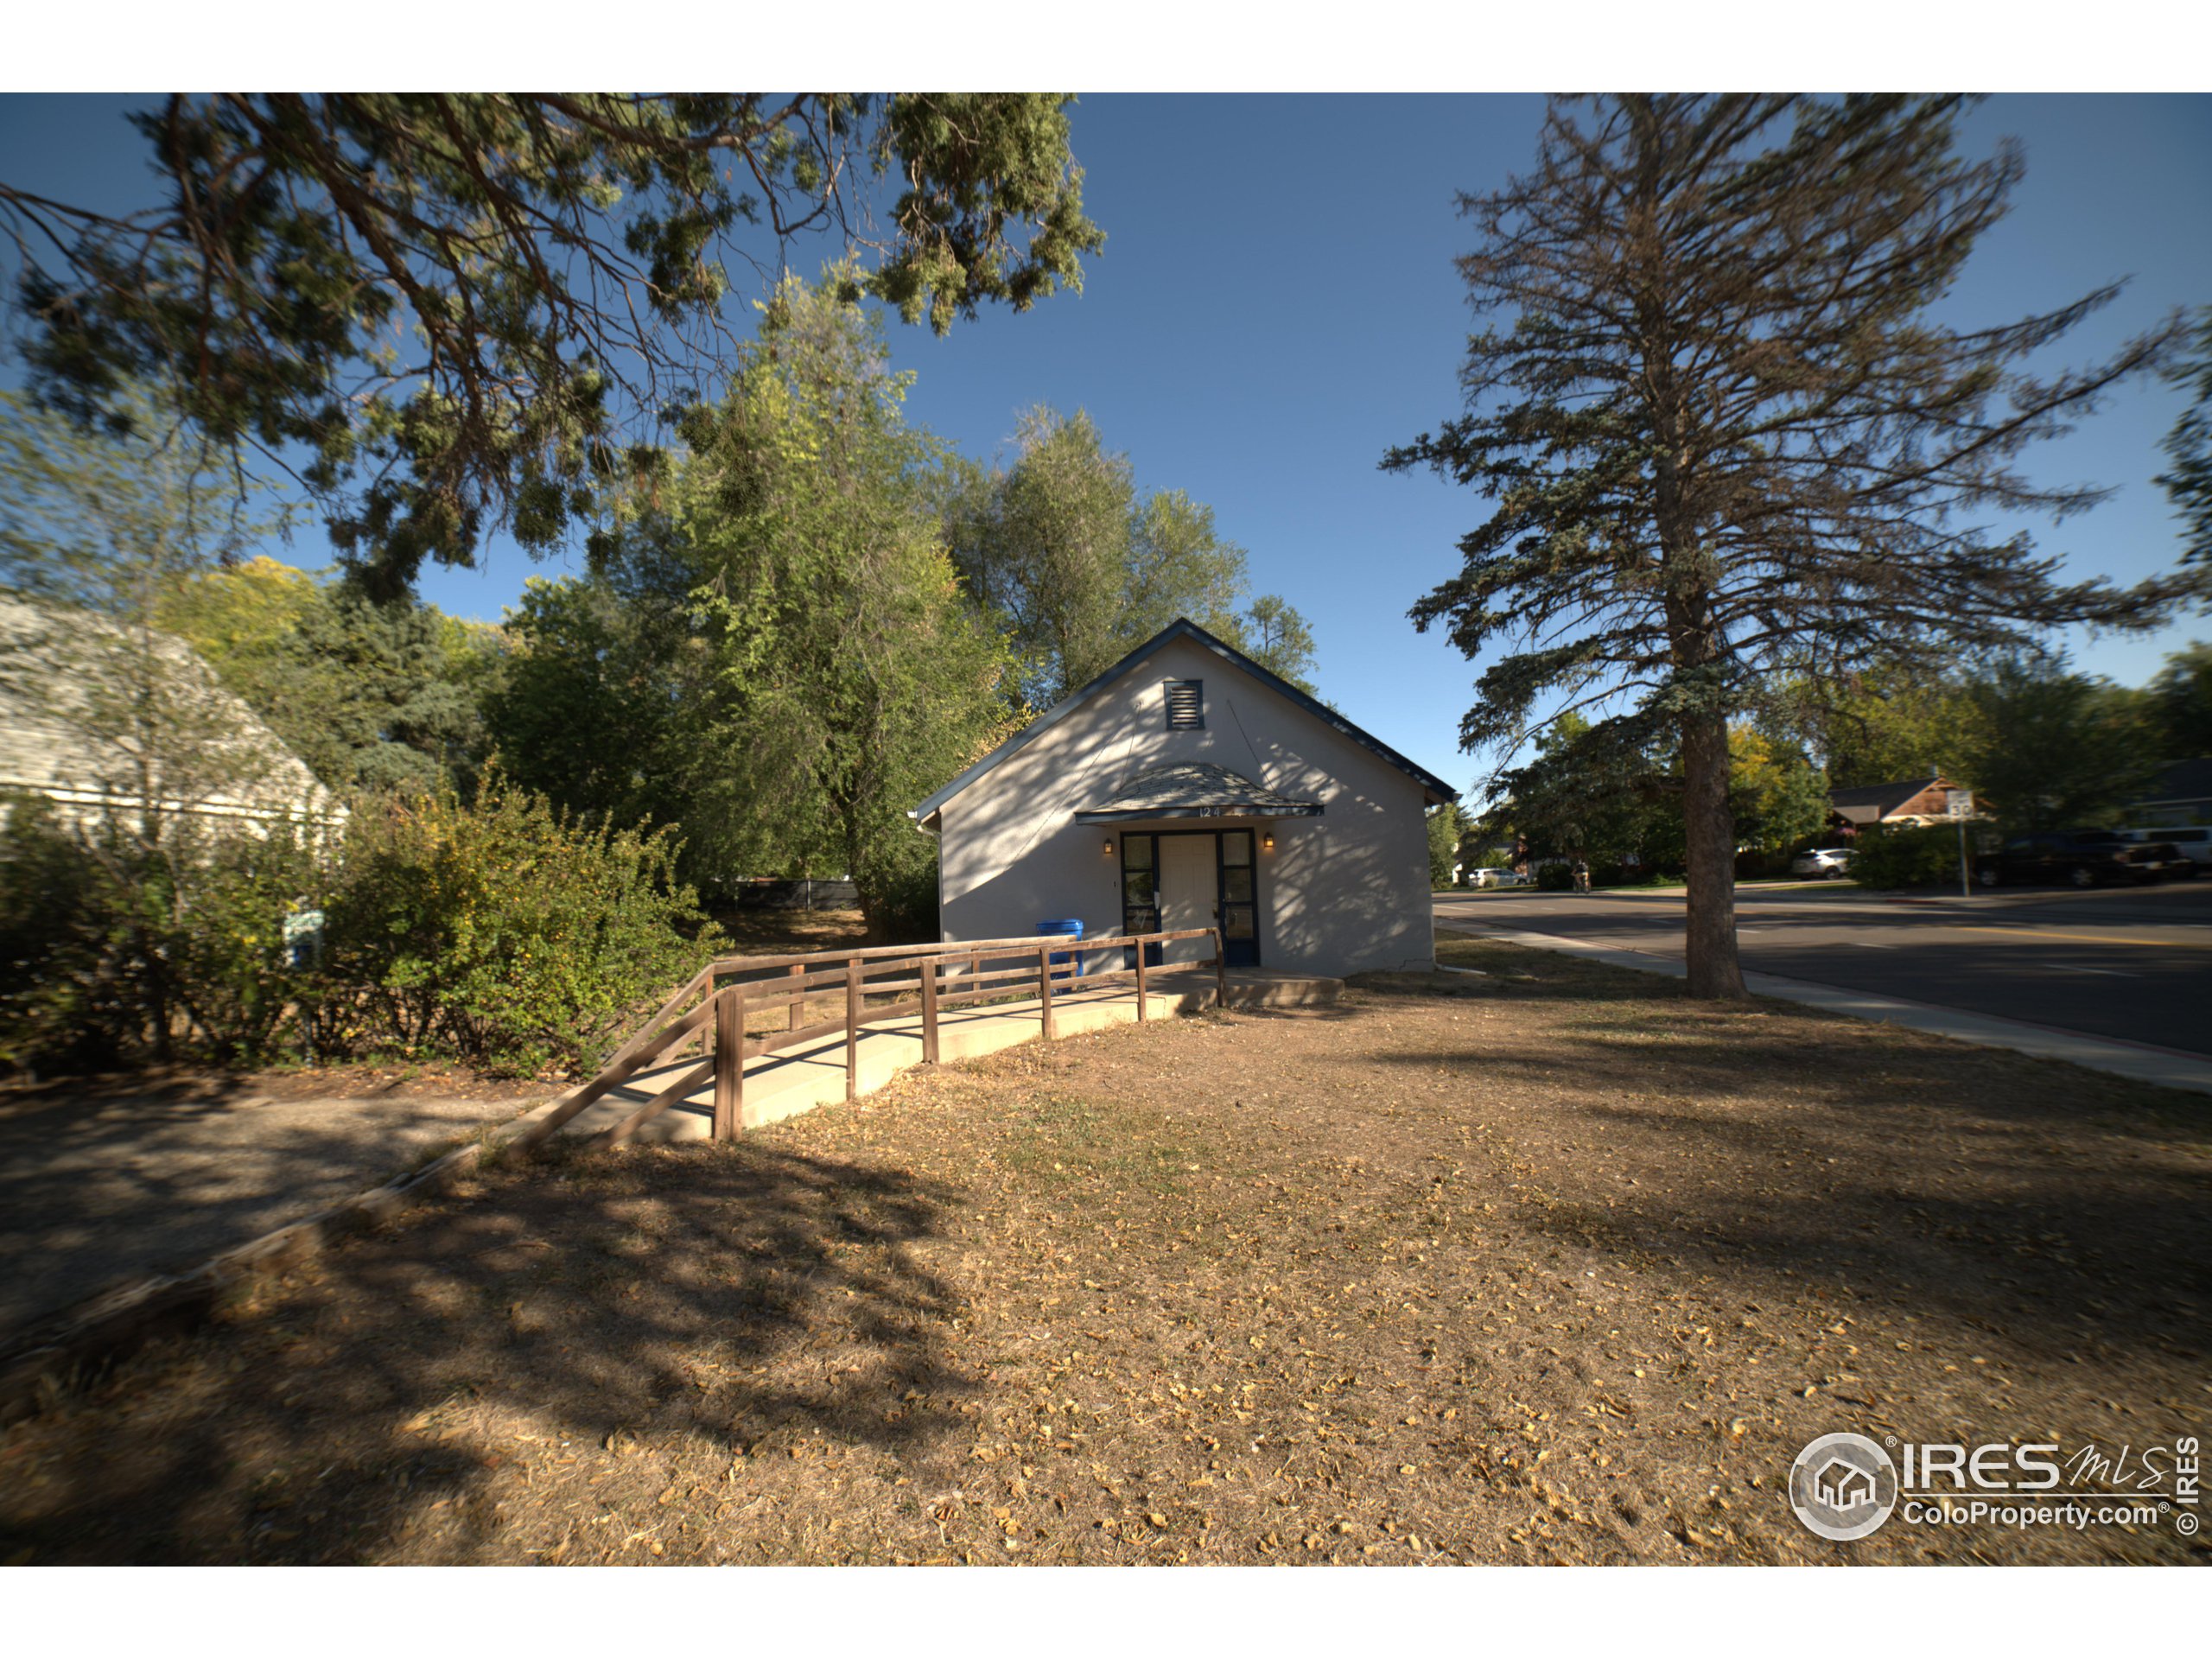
{"points": [[753, 1040]]}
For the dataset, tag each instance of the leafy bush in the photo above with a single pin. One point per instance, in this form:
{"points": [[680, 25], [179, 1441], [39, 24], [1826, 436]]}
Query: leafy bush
{"points": [[58, 1001], [116, 937], [907, 909], [504, 931], [1610, 873], [1555, 877], [1909, 856]]}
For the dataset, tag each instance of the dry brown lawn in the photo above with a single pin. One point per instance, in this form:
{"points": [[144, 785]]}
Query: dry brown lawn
{"points": [[765, 932], [1552, 1265]]}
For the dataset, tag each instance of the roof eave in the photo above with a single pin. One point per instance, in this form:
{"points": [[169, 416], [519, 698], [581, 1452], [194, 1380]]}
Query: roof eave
{"points": [[1234, 810]]}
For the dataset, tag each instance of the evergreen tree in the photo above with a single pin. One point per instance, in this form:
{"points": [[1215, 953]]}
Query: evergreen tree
{"points": [[1727, 441], [2189, 444], [370, 696], [472, 310]]}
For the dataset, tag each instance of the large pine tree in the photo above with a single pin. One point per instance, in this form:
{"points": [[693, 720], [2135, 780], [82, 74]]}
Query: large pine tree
{"points": [[471, 311], [1726, 439]]}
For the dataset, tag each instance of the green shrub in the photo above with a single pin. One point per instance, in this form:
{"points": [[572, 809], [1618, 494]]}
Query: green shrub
{"points": [[501, 933], [224, 946], [60, 1003], [1910, 856], [504, 931], [1610, 873], [908, 908], [1555, 877], [117, 938]]}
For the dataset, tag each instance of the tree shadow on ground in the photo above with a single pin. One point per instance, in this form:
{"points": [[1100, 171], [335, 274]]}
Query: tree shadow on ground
{"points": [[95, 1195], [2063, 1208], [715, 1303]]}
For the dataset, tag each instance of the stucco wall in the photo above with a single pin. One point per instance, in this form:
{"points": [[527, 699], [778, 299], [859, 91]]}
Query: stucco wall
{"points": [[1343, 893]]}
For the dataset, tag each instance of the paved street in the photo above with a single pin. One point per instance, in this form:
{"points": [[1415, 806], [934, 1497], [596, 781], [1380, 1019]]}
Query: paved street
{"points": [[2130, 965]]}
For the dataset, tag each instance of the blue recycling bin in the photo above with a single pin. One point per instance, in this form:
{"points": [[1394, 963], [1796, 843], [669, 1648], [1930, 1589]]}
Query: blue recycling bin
{"points": [[1063, 958]]}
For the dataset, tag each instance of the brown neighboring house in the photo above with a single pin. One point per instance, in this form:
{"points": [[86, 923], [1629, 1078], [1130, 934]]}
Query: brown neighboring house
{"points": [[1914, 801]]}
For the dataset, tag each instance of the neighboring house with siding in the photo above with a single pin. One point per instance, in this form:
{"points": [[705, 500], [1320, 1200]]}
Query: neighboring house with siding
{"points": [[2181, 794], [103, 720], [1914, 801], [1186, 786]]}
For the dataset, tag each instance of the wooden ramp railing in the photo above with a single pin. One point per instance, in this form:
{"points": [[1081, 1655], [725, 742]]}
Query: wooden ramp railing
{"points": [[712, 1009]]}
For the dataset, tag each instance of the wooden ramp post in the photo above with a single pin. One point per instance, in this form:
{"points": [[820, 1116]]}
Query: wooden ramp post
{"points": [[929, 1010], [1144, 1003], [729, 1063], [852, 1029], [1045, 988]]}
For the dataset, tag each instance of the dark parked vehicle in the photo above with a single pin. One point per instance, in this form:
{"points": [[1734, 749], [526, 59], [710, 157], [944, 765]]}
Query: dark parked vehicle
{"points": [[2194, 840], [2082, 858]]}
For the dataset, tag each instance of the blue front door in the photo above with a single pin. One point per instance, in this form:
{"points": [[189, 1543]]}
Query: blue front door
{"points": [[1234, 905]]}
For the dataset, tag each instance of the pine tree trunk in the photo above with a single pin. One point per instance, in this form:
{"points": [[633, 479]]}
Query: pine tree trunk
{"points": [[1709, 829]]}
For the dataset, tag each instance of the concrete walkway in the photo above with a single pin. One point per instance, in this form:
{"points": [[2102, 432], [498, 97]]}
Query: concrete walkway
{"points": [[93, 1194], [2143, 1061], [777, 1086], [129, 1191]]}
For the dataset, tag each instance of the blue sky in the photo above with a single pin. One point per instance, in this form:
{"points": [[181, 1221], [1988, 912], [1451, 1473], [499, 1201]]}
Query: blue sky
{"points": [[1276, 306]]}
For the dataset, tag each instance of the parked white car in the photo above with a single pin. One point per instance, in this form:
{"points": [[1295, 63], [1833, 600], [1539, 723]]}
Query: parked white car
{"points": [[1500, 878], [1830, 863]]}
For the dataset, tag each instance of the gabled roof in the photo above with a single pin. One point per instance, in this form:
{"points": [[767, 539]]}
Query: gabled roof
{"points": [[1194, 789], [1887, 797], [1183, 628]]}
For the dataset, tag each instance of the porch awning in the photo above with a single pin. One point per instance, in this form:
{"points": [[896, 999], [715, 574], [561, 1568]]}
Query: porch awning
{"points": [[1194, 790]]}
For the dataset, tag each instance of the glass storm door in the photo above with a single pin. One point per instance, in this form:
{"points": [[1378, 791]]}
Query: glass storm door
{"points": [[1140, 894], [1239, 912]]}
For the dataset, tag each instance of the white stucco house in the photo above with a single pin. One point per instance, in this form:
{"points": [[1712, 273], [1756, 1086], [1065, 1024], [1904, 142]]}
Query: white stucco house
{"points": [[1187, 786]]}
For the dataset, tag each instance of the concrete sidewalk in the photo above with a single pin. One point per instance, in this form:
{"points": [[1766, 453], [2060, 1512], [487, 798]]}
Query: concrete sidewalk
{"points": [[2143, 1061], [95, 1192], [2181, 903], [777, 1086]]}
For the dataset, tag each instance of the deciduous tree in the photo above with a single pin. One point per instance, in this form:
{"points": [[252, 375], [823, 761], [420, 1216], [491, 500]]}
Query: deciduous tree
{"points": [[852, 676], [2051, 749], [1081, 569], [2181, 702], [1277, 637]]}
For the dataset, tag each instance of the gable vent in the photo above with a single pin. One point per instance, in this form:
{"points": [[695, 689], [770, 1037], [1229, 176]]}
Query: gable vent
{"points": [[1186, 705]]}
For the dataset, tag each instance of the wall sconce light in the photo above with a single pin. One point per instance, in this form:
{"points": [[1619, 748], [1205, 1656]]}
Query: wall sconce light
{"points": [[1268, 842], [1110, 846]]}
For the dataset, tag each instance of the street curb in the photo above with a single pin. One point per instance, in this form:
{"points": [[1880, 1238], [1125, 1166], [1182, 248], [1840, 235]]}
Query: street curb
{"points": [[109, 1325], [2170, 1068]]}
